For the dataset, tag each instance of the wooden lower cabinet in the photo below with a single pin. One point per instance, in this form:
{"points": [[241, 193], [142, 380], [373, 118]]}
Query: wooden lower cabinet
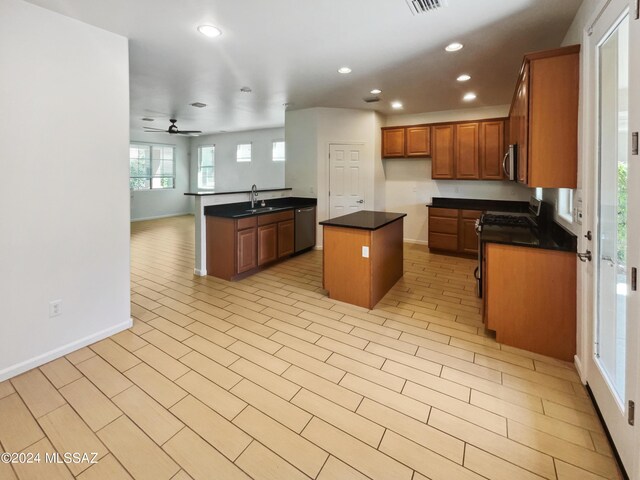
{"points": [[286, 234], [530, 298], [238, 247], [246, 254], [267, 243], [467, 231], [453, 230]]}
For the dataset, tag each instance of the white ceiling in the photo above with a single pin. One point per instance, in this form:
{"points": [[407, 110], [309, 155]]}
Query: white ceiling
{"points": [[288, 51]]}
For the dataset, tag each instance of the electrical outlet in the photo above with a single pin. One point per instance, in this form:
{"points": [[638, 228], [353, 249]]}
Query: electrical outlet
{"points": [[55, 308], [365, 251]]}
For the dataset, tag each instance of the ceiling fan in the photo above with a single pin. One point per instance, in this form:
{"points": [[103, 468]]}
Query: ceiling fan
{"points": [[173, 129]]}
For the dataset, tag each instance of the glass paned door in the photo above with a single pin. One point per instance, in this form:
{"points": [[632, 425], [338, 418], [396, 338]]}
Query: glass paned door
{"points": [[611, 327]]}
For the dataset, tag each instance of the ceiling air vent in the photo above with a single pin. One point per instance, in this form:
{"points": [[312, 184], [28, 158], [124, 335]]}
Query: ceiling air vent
{"points": [[371, 99], [424, 6]]}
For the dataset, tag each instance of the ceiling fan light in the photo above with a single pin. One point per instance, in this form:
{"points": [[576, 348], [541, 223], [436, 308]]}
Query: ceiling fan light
{"points": [[209, 31]]}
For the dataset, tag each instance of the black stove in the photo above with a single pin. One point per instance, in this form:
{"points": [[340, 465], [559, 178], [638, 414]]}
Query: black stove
{"points": [[506, 220]]}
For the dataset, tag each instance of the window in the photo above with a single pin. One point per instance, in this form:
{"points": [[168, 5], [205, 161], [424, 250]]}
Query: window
{"points": [[277, 153], [243, 153], [565, 204], [206, 163], [151, 166]]}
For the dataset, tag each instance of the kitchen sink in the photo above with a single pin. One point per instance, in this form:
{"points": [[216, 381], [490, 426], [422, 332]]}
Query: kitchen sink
{"points": [[261, 209]]}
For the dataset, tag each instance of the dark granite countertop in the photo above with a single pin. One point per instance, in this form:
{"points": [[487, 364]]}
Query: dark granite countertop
{"points": [[479, 204], [553, 237], [242, 209], [205, 193], [364, 220]]}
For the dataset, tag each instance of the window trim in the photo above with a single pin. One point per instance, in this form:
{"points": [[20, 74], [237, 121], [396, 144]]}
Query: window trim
{"points": [[213, 167], [564, 207], [250, 156], [151, 176], [284, 158]]}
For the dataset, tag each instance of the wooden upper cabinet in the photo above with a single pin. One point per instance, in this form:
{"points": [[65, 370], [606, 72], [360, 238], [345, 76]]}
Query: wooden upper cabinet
{"points": [[442, 156], [466, 151], [544, 116], [418, 141], [492, 150], [393, 142]]}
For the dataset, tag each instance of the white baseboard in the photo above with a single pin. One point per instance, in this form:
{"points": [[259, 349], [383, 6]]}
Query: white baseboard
{"points": [[161, 216], [200, 273], [34, 362], [578, 364], [317, 247], [414, 241]]}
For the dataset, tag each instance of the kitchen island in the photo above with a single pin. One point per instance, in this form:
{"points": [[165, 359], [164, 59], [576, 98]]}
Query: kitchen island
{"points": [[362, 256]]}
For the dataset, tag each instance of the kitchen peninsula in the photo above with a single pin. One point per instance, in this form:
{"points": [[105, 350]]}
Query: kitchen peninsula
{"points": [[362, 256], [207, 198]]}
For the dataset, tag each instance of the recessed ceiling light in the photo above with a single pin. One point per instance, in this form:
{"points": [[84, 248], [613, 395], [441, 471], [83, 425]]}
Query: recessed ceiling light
{"points": [[453, 47], [209, 31], [344, 70], [464, 77], [376, 91], [198, 104], [396, 105], [469, 96], [246, 90]]}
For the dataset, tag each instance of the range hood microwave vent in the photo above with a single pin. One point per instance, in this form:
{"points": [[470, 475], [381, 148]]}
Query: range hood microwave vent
{"points": [[424, 6]]}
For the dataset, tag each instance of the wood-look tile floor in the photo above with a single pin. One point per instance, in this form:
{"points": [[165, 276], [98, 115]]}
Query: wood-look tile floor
{"points": [[267, 378]]}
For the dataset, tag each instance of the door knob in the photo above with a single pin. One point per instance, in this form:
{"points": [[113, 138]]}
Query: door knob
{"points": [[585, 257]]}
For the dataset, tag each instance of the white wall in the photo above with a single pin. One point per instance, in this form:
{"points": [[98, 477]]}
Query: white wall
{"points": [[231, 175], [300, 133], [409, 187], [64, 201], [147, 204]]}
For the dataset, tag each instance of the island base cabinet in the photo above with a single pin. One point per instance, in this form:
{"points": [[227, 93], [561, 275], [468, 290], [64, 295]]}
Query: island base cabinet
{"points": [[350, 276], [530, 298]]}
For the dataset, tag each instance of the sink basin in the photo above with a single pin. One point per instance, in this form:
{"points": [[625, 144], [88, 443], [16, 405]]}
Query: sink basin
{"points": [[261, 209]]}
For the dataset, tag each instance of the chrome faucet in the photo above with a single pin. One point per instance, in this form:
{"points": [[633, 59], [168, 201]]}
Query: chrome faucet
{"points": [[254, 195]]}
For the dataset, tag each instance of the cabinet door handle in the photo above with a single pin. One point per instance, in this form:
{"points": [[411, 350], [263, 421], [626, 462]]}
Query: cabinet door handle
{"points": [[360, 201]]}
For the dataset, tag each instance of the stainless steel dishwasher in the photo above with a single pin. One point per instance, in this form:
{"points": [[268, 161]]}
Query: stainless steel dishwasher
{"points": [[305, 221]]}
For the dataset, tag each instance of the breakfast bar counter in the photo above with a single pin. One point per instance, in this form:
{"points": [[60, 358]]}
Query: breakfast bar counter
{"points": [[362, 256]]}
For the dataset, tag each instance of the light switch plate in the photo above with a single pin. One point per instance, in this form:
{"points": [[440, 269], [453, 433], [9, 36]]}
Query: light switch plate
{"points": [[365, 251]]}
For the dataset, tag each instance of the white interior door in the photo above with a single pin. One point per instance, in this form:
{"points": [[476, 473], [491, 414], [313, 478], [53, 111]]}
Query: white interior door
{"points": [[346, 179], [612, 369]]}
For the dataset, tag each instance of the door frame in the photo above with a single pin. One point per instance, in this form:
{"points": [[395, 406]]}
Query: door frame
{"points": [[589, 176]]}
